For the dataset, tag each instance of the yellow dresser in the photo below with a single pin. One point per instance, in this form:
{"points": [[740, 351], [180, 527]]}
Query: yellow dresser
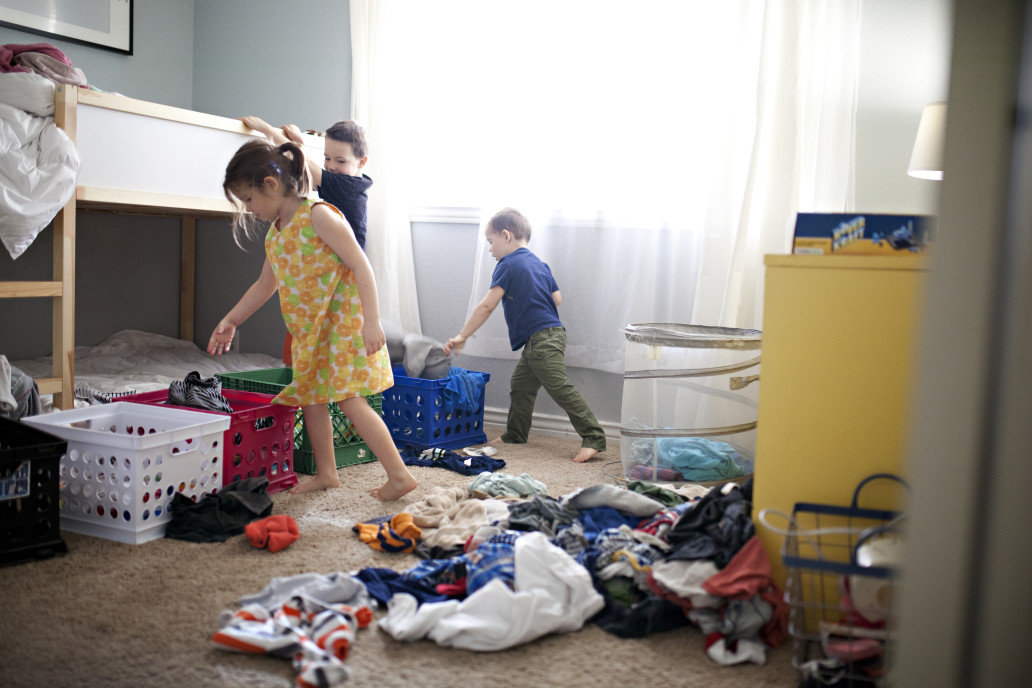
{"points": [[840, 342]]}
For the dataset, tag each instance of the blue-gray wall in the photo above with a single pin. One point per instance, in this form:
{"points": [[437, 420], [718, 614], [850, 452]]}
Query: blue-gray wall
{"points": [[286, 62]]}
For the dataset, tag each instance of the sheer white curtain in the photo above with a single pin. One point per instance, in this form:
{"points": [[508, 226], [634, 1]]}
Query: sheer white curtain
{"points": [[389, 236], [659, 148]]}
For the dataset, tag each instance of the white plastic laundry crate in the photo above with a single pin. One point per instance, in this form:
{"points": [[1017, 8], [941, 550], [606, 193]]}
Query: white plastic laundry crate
{"points": [[124, 463]]}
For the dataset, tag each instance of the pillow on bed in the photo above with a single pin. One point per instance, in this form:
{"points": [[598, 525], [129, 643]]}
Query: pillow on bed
{"points": [[29, 92]]}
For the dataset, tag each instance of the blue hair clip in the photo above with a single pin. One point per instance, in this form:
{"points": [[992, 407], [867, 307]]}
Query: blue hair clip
{"points": [[275, 167]]}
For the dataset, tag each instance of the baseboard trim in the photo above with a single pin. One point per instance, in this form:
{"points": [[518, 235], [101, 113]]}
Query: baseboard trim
{"points": [[549, 424]]}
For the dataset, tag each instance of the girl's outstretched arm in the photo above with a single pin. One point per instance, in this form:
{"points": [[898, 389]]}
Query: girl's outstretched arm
{"points": [[256, 295], [333, 229]]}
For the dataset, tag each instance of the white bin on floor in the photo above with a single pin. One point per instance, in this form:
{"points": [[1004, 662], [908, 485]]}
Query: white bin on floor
{"points": [[125, 463], [690, 402]]}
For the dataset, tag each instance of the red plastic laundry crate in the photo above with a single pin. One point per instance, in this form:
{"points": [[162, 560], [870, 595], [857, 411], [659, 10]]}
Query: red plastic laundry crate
{"points": [[259, 442]]}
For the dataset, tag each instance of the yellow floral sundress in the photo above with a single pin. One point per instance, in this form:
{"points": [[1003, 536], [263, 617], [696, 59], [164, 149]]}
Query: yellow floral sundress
{"points": [[319, 300]]}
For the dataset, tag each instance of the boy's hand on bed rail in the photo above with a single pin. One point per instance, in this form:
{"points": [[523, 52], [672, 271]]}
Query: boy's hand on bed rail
{"points": [[261, 126], [293, 134], [221, 338]]}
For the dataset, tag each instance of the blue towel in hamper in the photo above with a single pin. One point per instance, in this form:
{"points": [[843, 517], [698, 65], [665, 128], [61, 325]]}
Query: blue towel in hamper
{"points": [[463, 389]]}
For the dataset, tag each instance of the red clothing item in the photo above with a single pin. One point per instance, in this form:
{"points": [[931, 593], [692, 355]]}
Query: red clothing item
{"points": [[747, 575], [12, 50], [276, 532]]}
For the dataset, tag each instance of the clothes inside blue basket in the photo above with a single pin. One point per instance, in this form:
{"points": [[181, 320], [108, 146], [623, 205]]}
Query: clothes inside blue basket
{"points": [[463, 390], [466, 465]]}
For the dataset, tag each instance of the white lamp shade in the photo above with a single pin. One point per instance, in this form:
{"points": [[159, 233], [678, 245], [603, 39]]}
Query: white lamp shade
{"points": [[926, 160]]}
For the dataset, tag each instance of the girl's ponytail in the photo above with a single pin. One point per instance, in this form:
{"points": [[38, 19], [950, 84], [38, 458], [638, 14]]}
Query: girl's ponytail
{"points": [[296, 164]]}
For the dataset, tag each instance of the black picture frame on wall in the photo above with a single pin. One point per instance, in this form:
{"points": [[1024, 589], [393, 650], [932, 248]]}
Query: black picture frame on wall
{"points": [[105, 24]]}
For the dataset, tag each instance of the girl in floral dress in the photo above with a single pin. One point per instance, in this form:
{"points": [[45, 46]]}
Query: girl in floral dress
{"points": [[327, 294]]}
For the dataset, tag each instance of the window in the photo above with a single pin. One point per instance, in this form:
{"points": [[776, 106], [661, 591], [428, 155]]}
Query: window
{"points": [[660, 148]]}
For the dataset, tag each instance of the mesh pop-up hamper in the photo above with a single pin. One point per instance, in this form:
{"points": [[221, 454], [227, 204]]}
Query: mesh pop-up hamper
{"points": [[124, 462], [348, 447], [690, 402], [259, 442], [418, 413], [29, 516]]}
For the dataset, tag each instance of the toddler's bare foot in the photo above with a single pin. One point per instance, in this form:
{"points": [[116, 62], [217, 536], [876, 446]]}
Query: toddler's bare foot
{"points": [[585, 454], [497, 440], [317, 482], [394, 489]]}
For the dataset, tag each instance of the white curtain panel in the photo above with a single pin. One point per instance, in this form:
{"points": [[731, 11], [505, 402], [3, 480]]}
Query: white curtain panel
{"points": [[389, 235], [659, 148]]}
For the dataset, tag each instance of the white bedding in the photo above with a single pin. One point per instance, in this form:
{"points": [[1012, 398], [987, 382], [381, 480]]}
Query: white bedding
{"points": [[39, 164], [131, 360]]}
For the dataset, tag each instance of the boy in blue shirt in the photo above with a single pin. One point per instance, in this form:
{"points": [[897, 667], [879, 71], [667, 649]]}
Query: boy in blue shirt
{"points": [[342, 182], [530, 298]]}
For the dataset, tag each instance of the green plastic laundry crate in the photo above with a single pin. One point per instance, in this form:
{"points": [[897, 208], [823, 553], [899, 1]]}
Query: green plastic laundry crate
{"points": [[348, 447]]}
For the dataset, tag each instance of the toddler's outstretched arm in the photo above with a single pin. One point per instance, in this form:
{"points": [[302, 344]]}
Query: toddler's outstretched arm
{"points": [[480, 314]]}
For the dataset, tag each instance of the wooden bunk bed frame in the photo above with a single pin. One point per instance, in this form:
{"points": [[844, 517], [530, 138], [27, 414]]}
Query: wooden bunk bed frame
{"points": [[188, 206]]}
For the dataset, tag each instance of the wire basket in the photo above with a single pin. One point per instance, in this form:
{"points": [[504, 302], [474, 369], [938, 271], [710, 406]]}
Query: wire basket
{"points": [[842, 564]]}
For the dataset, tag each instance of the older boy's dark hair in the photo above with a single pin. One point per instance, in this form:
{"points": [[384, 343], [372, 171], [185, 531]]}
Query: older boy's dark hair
{"points": [[512, 220], [350, 132]]}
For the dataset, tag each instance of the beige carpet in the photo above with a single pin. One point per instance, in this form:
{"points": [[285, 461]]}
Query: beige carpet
{"points": [[114, 615]]}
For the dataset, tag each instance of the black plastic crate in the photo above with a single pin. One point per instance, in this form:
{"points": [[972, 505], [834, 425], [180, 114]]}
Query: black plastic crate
{"points": [[30, 462]]}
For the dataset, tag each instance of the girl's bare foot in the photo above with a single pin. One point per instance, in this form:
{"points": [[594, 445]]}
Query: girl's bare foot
{"points": [[317, 482], [497, 440], [394, 489], [585, 454]]}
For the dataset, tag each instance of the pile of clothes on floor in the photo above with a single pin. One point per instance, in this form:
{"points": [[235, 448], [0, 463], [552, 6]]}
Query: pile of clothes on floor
{"points": [[633, 561], [504, 564]]}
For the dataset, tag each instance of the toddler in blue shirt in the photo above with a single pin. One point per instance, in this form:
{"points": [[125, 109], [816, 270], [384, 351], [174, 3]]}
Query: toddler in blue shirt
{"points": [[530, 300]]}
